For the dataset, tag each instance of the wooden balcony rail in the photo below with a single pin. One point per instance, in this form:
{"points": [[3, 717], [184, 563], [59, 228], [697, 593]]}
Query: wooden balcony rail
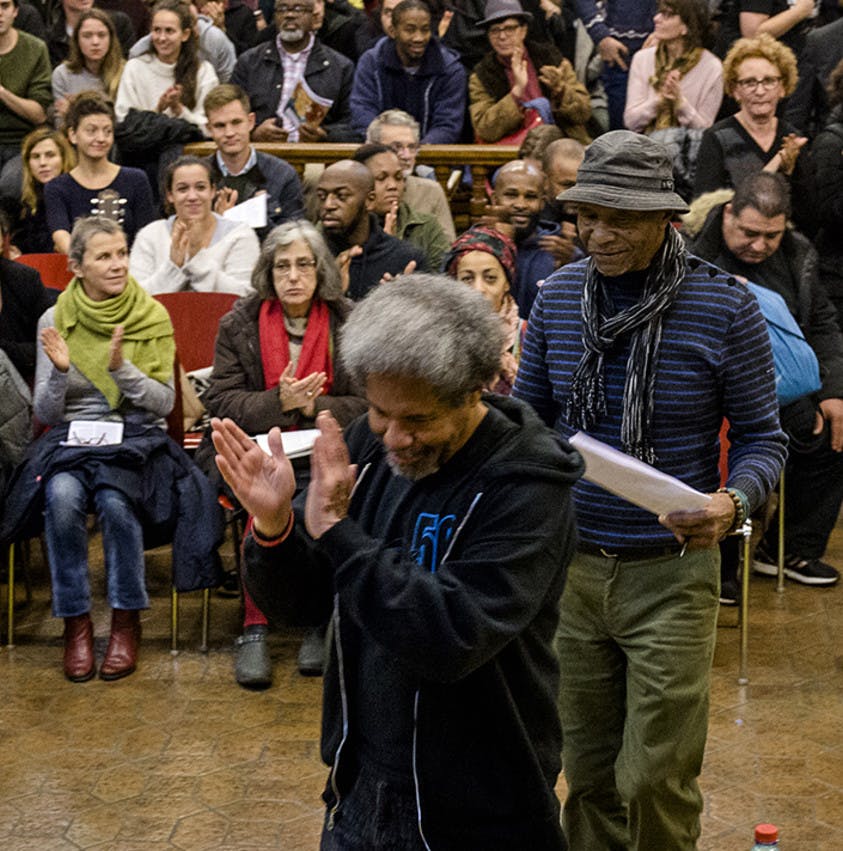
{"points": [[467, 208]]}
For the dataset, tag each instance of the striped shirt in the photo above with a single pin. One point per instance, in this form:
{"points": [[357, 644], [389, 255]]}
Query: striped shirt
{"points": [[714, 361]]}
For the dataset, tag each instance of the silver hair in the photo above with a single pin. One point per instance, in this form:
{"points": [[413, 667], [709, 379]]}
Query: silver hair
{"points": [[394, 118], [429, 328], [83, 230], [328, 281]]}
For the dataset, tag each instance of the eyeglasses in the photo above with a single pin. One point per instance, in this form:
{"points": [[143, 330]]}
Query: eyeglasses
{"points": [[283, 268], [766, 83], [293, 10], [399, 147], [504, 29]]}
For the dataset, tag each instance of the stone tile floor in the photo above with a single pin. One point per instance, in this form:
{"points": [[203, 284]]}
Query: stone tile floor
{"points": [[178, 756]]}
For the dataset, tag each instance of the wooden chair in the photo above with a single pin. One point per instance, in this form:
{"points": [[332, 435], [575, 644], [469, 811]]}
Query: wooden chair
{"points": [[52, 268], [195, 317]]}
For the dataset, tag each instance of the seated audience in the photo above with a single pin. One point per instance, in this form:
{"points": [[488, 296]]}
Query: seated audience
{"points": [[808, 108], [676, 83], [238, 171], [25, 96], [96, 186], [23, 298], [195, 248], [363, 250], [272, 74], [757, 73], [400, 131], [277, 363], [95, 62], [214, 46], [523, 83], [748, 236], [827, 156], [106, 355], [68, 15], [484, 258], [169, 78], [394, 214], [411, 71], [46, 154], [519, 199]]}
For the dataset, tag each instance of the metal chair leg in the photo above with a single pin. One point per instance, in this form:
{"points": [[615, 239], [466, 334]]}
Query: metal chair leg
{"points": [[174, 622], [10, 588], [743, 612], [780, 574], [206, 617]]}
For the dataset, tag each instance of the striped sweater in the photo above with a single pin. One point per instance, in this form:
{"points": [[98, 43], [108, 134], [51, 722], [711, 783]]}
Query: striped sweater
{"points": [[714, 361]]}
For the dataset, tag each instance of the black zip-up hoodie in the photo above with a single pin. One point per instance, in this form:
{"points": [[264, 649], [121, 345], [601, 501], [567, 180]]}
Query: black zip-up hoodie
{"points": [[462, 590]]}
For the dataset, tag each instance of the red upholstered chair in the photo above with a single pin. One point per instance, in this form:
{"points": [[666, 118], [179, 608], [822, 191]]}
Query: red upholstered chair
{"points": [[52, 268]]}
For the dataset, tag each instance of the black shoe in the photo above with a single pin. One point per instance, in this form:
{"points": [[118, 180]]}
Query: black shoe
{"points": [[730, 592], [311, 658], [806, 571], [230, 585]]}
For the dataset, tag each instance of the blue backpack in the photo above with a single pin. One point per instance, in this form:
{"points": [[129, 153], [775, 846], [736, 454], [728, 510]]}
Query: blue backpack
{"points": [[797, 368]]}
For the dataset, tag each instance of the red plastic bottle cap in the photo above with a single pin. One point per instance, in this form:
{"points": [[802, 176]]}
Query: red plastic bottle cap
{"points": [[766, 833]]}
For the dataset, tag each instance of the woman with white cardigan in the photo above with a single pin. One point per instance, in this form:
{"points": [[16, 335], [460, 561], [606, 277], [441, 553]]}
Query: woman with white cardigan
{"points": [[194, 249]]}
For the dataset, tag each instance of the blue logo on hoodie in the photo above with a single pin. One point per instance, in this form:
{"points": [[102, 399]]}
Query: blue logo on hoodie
{"points": [[431, 537]]}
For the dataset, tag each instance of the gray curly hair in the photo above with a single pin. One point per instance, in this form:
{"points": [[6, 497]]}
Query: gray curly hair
{"points": [[426, 327]]}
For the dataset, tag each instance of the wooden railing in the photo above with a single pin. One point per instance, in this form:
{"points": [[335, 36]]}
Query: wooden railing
{"points": [[466, 207]]}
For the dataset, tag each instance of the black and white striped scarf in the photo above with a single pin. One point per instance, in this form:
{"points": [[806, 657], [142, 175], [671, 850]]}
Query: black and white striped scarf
{"points": [[587, 401]]}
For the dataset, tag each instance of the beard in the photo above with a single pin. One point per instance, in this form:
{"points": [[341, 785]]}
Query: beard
{"points": [[426, 464], [291, 35]]}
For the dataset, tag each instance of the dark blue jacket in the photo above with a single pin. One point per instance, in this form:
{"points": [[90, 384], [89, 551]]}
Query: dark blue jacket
{"points": [[532, 265], [434, 96]]}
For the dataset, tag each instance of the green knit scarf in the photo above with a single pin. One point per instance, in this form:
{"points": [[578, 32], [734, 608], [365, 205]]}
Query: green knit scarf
{"points": [[87, 326]]}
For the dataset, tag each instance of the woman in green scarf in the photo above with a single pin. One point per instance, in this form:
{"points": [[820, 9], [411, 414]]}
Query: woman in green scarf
{"points": [[105, 359]]}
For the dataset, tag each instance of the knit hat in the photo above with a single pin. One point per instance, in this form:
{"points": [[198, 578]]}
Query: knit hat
{"points": [[626, 171], [482, 238]]}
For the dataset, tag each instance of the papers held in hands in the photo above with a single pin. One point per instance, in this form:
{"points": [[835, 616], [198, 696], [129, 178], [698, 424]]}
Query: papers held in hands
{"points": [[251, 212], [92, 433], [297, 444], [306, 107], [635, 481]]}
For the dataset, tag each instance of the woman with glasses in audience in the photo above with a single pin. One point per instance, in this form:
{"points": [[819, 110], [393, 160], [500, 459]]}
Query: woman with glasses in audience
{"points": [[96, 186], [757, 72], [95, 62], [484, 259], [521, 83], [46, 154], [277, 363], [676, 83], [104, 383], [195, 248]]}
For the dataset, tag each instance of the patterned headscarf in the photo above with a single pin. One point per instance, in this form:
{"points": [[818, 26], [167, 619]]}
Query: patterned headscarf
{"points": [[482, 238]]}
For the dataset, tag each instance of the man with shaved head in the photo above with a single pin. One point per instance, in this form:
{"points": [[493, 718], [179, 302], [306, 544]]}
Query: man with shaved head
{"points": [[344, 192], [519, 196]]}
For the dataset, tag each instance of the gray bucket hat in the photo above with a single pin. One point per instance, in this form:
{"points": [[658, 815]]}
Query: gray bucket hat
{"points": [[500, 10], [626, 171]]}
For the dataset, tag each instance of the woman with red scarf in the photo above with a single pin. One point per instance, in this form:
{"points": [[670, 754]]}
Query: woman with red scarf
{"points": [[276, 364]]}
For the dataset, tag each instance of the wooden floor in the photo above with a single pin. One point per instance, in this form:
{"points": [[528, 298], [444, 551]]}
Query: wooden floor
{"points": [[178, 756]]}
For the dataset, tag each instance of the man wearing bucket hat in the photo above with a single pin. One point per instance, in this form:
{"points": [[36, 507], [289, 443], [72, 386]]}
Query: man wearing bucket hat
{"points": [[646, 348]]}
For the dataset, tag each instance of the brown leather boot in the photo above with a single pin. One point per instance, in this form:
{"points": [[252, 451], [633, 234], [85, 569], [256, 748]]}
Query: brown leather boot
{"points": [[121, 657], [79, 665]]}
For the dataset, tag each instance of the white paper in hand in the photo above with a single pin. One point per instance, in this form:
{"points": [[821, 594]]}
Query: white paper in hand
{"points": [[635, 481], [251, 212], [297, 444]]}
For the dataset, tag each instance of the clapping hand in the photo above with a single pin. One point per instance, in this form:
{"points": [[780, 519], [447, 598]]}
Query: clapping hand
{"points": [[225, 199], [390, 221], [299, 394], [55, 347], [171, 99], [263, 484], [789, 152], [518, 65], [408, 270], [554, 78], [332, 478], [344, 264], [670, 89]]}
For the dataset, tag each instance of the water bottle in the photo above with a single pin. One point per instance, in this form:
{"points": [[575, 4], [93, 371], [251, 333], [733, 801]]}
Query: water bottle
{"points": [[766, 837]]}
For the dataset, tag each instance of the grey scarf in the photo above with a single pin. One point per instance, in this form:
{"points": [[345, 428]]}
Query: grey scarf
{"points": [[587, 401]]}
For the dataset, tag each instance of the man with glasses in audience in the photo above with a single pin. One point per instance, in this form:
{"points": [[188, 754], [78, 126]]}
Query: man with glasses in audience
{"points": [[273, 74]]}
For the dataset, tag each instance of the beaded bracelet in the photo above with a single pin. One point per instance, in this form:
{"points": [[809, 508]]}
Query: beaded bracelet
{"points": [[741, 504]]}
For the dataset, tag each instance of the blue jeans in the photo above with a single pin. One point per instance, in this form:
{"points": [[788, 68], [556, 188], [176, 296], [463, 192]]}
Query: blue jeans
{"points": [[635, 644], [66, 506], [614, 83]]}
